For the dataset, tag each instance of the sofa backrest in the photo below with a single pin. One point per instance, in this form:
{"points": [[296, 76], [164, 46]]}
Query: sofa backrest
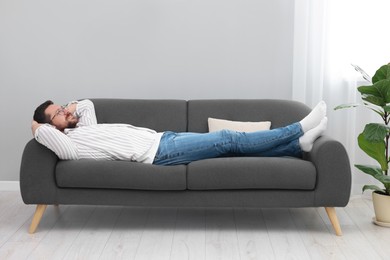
{"points": [[192, 116], [279, 112], [160, 115]]}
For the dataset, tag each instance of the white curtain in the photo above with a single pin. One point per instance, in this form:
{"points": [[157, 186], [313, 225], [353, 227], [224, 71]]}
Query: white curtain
{"points": [[329, 36]]}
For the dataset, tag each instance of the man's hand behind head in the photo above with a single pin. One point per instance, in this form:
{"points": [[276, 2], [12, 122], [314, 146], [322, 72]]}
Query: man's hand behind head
{"points": [[34, 126]]}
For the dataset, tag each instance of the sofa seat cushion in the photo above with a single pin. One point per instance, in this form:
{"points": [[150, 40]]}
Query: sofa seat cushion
{"points": [[119, 175], [231, 173]]}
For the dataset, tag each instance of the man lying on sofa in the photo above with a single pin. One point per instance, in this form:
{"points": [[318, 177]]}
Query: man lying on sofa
{"points": [[72, 133]]}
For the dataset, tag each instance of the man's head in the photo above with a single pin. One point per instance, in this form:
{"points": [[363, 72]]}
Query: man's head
{"points": [[56, 115]]}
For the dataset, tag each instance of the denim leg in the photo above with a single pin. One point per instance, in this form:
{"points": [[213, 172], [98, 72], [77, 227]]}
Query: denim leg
{"points": [[276, 142], [289, 149], [183, 148]]}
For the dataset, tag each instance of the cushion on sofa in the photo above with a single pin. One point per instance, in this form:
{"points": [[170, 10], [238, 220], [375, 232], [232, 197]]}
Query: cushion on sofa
{"points": [[233, 173], [119, 175], [159, 115], [216, 124]]}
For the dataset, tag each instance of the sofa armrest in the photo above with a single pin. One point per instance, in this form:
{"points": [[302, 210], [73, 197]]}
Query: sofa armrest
{"points": [[37, 174], [333, 185]]}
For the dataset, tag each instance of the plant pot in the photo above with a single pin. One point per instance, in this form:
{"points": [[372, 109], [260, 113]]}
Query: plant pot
{"points": [[381, 208]]}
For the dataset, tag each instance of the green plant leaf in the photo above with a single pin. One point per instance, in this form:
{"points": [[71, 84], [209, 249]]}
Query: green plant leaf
{"points": [[383, 87], [387, 188], [379, 101], [373, 187], [384, 179], [380, 113], [378, 94], [376, 109], [371, 170], [375, 150], [369, 90], [375, 172], [347, 106], [366, 105], [375, 132], [382, 73]]}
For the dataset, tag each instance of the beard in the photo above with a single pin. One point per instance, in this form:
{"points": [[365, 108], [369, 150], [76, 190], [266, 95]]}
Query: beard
{"points": [[72, 124], [72, 121]]}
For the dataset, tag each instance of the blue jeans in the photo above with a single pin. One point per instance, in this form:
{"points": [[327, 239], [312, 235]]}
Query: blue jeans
{"points": [[183, 148]]}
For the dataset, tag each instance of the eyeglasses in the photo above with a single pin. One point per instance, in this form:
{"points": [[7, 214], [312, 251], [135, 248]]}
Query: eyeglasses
{"points": [[60, 111]]}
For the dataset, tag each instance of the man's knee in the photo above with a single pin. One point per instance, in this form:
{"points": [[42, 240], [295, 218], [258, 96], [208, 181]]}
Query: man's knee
{"points": [[230, 137], [227, 132]]}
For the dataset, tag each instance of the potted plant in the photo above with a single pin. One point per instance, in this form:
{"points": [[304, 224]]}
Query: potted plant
{"points": [[374, 140]]}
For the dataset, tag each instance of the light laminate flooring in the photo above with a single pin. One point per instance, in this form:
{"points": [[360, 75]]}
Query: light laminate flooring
{"points": [[101, 232]]}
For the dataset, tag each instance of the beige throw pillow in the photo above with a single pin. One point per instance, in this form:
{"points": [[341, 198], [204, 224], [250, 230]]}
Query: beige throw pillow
{"points": [[219, 124]]}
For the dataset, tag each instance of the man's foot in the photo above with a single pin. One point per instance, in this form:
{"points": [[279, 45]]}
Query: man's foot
{"points": [[314, 118], [306, 141]]}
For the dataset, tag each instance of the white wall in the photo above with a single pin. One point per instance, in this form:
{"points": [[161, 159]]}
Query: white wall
{"points": [[71, 49]]}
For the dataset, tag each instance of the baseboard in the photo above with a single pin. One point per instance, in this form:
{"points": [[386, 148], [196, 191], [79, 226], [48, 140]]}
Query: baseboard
{"points": [[9, 186]]}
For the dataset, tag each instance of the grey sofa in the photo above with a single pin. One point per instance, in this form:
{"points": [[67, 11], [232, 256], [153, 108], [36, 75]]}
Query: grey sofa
{"points": [[322, 178]]}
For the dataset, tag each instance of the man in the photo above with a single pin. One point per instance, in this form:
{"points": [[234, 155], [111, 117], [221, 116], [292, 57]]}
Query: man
{"points": [[72, 132]]}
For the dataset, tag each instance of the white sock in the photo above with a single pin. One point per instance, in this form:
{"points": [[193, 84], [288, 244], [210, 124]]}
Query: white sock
{"points": [[314, 118], [306, 141]]}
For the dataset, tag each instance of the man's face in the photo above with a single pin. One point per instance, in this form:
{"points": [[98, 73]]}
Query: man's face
{"points": [[60, 117]]}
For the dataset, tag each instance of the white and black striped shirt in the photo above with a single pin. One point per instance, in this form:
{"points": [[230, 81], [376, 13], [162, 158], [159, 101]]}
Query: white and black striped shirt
{"points": [[90, 140]]}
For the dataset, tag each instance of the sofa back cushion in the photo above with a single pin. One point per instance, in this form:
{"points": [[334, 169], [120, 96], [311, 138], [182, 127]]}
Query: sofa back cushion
{"points": [[279, 112], [159, 115], [192, 116]]}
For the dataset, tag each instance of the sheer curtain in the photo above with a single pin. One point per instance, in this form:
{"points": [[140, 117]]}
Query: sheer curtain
{"points": [[329, 36]]}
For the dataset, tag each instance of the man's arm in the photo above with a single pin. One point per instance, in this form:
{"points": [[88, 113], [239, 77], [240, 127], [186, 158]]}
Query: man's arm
{"points": [[85, 111], [34, 127], [55, 140]]}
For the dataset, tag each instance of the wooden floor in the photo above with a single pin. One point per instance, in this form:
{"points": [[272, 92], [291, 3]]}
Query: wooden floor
{"points": [[89, 232]]}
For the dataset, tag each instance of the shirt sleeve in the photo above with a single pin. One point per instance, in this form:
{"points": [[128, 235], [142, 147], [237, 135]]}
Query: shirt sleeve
{"points": [[85, 110], [57, 141]]}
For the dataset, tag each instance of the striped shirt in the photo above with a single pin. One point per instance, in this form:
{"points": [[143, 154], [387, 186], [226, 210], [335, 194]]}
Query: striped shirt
{"points": [[90, 140]]}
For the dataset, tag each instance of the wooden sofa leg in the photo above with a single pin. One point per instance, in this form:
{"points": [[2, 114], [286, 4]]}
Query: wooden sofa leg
{"points": [[334, 220], [37, 218]]}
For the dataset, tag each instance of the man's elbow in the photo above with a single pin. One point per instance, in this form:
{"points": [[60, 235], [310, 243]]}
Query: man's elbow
{"points": [[68, 156]]}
